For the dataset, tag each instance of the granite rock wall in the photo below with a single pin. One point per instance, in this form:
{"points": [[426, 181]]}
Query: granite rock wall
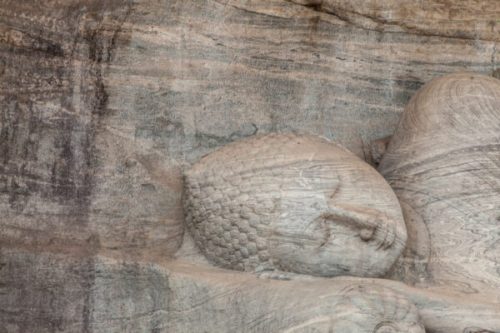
{"points": [[103, 104]]}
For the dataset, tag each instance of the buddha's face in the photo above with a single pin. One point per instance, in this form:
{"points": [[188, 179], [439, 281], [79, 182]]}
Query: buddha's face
{"points": [[318, 233]]}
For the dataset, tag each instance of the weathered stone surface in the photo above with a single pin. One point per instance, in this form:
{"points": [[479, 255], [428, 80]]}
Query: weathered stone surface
{"points": [[130, 297], [443, 162], [45, 293], [448, 18], [64, 178], [103, 104]]}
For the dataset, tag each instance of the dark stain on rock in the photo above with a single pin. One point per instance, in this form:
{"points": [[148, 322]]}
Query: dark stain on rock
{"points": [[52, 153], [98, 56], [88, 282], [28, 43], [62, 177], [314, 5], [19, 124], [496, 73], [313, 31], [159, 127], [99, 38]]}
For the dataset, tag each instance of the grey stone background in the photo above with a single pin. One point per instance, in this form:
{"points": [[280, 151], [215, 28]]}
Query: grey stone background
{"points": [[104, 103]]}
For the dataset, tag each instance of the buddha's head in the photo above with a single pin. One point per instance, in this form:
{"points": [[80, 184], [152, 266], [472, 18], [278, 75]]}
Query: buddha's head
{"points": [[293, 203]]}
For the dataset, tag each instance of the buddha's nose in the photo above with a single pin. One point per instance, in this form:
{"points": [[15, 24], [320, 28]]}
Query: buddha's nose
{"points": [[368, 222]]}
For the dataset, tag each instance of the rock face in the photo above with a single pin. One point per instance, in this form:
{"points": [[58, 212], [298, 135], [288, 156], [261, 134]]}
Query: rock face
{"points": [[293, 203], [63, 172], [455, 19], [443, 164], [104, 103]]}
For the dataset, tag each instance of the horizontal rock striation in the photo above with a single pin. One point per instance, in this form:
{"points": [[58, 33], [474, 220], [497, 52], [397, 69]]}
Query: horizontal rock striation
{"points": [[103, 104]]}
